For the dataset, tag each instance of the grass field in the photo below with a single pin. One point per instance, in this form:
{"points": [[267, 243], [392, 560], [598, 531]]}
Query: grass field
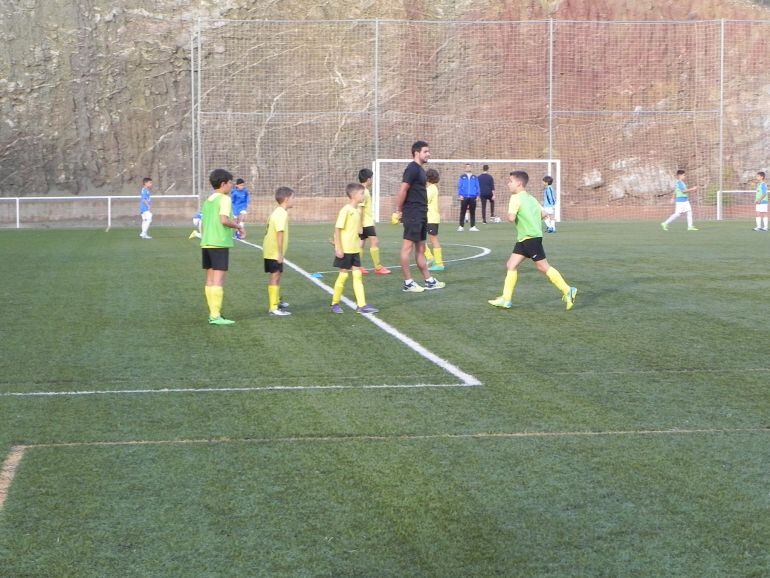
{"points": [[627, 437]]}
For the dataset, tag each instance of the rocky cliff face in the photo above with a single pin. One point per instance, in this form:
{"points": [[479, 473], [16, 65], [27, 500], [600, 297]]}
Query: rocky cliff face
{"points": [[95, 94]]}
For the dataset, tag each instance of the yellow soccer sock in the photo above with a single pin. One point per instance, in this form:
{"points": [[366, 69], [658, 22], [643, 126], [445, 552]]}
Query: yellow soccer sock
{"points": [[438, 256], [358, 287], [273, 297], [339, 287], [555, 277], [215, 301], [207, 289], [510, 284], [428, 254], [375, 252]]}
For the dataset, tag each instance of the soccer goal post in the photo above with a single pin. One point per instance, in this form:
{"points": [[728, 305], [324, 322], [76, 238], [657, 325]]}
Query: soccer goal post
{"points": [[388, 173]]}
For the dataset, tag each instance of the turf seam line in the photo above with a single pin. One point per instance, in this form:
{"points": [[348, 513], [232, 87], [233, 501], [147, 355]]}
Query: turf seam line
{"points": [[10, 465], [404, 437], [466, 379], [231, 389]]}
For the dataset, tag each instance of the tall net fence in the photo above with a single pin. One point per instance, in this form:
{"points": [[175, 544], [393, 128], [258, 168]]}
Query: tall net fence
{"points": [[622, 104]]}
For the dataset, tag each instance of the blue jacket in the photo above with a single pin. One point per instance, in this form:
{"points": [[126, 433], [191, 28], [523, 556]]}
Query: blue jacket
{"points": [[468, 188], [240, 199]]}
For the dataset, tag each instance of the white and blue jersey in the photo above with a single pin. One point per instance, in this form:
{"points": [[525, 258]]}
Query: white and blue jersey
{"points": [[240, 200], [144, 203], [680, 192], [761, 198], [549, 197]]}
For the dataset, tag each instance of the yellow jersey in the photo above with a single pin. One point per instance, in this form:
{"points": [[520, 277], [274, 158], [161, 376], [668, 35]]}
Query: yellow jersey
{"points": [[278, 221], [368, 212], [434, 216], [349, 223]]}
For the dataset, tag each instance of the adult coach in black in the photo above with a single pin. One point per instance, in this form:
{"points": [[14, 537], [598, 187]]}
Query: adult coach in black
{"points": [[412, 210], [487, 193]]}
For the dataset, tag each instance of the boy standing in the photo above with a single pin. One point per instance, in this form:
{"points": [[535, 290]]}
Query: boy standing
{"points": [[347, 251], [761, 202], [274, 249], [487, 194], [240, 197], [216, 240], [145, 203], [468, 192], [549, 204], [434, 219], [527, 214], [681, 202], [368, 230]]}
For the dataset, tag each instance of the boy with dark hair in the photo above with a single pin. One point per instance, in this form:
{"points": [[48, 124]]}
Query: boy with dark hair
{"points": [[368, 230], [347, 251], [274, 247], [681, 202], [412, 210], [240, 198], [549, 204], [216, 240], [487, 194], [761, 202], [434, 219], [145, 204], [527, 214]]}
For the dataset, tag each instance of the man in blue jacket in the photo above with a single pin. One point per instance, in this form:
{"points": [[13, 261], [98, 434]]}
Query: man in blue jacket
{"points": [[468, 192]]}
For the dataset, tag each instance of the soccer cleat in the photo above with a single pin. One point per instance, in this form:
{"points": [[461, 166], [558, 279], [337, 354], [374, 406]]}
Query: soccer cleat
{"points": [[550, 230], [194, 235], [757, 229], [692, 229], [220, 321], [283, 305], [500, 302], [279, 313], [143, 236], [764, 229], [664, 226], [364, 271], [435, 284], [412, 288], [474, 228], [382, 271], [569, 298], [336, 308], [436, 268], [460, 229], [367, 309]]}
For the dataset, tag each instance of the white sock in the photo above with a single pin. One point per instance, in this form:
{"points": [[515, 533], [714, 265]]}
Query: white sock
{"points": [[764, 219], [145, 227], [689, 218], [759, 222], [430, 280], [408, 281], [671, 219]]}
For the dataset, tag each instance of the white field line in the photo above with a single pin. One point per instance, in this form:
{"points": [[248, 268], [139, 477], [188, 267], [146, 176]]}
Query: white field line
{"points": [[466, 379], [230, 389], [407, 437], [483, 252], [8, 472]]}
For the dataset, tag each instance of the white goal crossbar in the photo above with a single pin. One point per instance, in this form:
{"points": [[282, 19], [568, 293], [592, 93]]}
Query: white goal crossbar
{"points": [[551, 167]]}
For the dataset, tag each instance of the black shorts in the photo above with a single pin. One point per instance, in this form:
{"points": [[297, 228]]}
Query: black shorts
{"points": [[531, 248], [415, 228], [348, 261], [217, 258], [273, 266], [433, 229], [367, 232]]}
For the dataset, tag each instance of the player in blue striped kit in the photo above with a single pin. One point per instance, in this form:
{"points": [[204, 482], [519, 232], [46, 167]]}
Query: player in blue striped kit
{"points": [[549, 204], [240, 198]]}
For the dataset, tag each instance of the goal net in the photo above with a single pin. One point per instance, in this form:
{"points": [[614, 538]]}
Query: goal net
{"points": [[388, 174]]}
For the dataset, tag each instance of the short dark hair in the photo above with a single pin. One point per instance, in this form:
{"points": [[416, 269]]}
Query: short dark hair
{"points": [[761, 174], [364, 175], [485, 168], [432, 175], [520, 176], [239, 181], [219, 177], [548, 180], [352, 188], [146, 180], [418, 146], [283, 193], [680, 172]]}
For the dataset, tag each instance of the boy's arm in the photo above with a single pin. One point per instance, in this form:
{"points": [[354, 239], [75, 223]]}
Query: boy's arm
{"points": [[338, 244], [279, 243]]}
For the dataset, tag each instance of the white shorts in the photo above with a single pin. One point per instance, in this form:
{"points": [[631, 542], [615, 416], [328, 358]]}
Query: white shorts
{"points": [[762, 208], [550, 210], [242, 213], [196, 221], [146, 216], [683, 207]]}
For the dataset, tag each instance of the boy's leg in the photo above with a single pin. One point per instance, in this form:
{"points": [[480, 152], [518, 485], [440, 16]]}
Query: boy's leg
{"points": [[689, 220], [274, 291], [764, 222], [463, 209], [483, 209], [374, 251], [492, 208], [671, 219], [511, 276], [472, 207], [568, 293], [759, 220], [216, 291], [437, 251], [339, 285], [358, 287]]}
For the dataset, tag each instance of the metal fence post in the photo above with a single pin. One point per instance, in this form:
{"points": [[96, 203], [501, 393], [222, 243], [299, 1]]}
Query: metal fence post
{"points": [[720, 211], [18, 222], [550, 88]]}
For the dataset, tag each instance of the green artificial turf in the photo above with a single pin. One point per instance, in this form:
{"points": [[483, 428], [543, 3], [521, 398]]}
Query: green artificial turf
{"points": [[669, 332]]}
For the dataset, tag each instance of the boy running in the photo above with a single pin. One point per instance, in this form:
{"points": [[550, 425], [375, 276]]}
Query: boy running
{"points": [[549, 204], [145, 203], [527, 214], [347, 251], [681, 202], [761, 202], [274, 250], [216, 240], [435, 259], [368, 231]]}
